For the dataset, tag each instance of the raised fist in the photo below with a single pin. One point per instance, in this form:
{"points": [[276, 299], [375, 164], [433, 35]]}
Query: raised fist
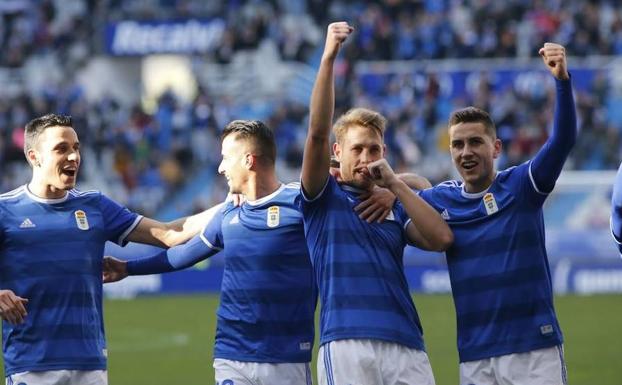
{"points": [[554, 57]]}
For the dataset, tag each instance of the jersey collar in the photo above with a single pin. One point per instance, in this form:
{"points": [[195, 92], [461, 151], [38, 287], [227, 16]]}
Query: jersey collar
{"points": [[478, 194], [44, 200], [265, 199]]}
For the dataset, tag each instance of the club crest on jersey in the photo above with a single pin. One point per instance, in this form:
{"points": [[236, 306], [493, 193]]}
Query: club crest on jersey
{"points": [[273, 216], [490, 203], [81, 221]]}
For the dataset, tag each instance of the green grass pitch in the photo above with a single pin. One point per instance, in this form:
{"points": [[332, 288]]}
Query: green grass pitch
{"points": [[168, 340]]}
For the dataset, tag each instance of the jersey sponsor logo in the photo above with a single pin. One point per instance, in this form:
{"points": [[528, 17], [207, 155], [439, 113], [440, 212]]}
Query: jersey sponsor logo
{"points": [[490, 203], [273, 216], [27, 224], [105, 352], [445, 214], [305, 346], [81, 220]]}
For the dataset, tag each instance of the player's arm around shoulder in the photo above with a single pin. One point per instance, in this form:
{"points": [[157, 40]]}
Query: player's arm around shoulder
{"points": [[169, 234], [376, 205], [426, 230]]}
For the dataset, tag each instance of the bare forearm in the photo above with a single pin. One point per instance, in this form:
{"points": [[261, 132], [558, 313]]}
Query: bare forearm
{"points": [[322, 106], [415, 181], [429, 224]]}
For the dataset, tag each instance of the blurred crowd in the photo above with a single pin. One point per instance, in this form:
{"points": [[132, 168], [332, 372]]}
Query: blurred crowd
{"points": [[144, 155]]}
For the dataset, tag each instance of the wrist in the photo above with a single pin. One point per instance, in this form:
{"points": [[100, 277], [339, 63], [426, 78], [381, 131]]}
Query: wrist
{"points": [[395, 184], [328, 57]]}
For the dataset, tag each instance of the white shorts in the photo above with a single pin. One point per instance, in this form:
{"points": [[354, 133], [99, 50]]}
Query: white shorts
{"points": [[537, 367], [60, 377], [372, 362], [229, 372]]}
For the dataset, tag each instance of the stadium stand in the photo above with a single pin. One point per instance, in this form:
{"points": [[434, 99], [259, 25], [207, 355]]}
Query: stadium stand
{"points": [[142, 153]]}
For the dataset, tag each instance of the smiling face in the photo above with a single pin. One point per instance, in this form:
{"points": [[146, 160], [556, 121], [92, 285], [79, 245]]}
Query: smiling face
{"points": [[235, 164], [358, 147], [473, 151], [55, 158]]}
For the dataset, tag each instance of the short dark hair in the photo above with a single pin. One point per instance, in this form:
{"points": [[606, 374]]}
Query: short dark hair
{"points": [[474, 115], [256, 131], [35, 127]]}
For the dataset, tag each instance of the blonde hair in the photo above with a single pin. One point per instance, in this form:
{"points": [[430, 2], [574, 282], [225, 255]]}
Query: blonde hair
{"points": [[359, 117]]}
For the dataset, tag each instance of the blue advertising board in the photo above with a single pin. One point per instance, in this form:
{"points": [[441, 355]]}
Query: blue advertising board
{"points": [[584, 262], [131, 38]]}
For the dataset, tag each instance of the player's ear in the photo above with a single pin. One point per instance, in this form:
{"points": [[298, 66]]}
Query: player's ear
{"points": [[33, 157], [337, 151], [249, 160], [497, 148]]}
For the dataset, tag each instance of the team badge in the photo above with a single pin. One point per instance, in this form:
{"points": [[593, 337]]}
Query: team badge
{"points": [[273, 216], [81, 221], [490, 203]]}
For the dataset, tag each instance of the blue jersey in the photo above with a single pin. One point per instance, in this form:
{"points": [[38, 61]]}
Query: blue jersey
{"points": [[359, 269], [51, 253], [498, 265], [616, 210], [268, 294]]}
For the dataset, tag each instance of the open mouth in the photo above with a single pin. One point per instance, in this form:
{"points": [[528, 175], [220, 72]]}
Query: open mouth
{"points": [[69, 171], [469, 165]]}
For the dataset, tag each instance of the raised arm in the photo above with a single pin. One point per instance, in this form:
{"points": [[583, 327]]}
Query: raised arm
{"points": [[173, 233], [316, 158], [549, 161], [426, 230]]}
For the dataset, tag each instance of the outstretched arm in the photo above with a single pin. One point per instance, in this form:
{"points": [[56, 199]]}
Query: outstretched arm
{"points": [[316, 158], [616, 208], [173, 259], [426, 230], [173, 233], [549, 161]]}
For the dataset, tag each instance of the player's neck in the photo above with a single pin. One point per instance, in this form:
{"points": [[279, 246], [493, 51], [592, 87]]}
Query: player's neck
{"points": [[261, 186], [474, 188], [44, 190]]}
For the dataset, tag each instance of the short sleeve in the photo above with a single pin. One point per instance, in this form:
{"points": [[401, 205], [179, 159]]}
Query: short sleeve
{"points": [[212, 232], [118, 220]]}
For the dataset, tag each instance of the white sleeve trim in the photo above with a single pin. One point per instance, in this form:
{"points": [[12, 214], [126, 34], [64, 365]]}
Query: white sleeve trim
{"points": [[211, 214], [209, 244], [304, 196], [533, 182], [129, 230], [407, 223]]}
